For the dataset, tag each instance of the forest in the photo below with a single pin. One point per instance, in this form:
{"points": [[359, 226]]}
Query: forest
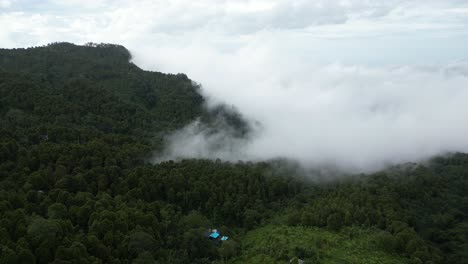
{"points": [[78, 128]]}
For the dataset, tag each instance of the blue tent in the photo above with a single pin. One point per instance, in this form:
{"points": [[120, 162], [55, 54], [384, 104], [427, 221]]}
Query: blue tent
{"points": [[214, 235], [224, 238]]}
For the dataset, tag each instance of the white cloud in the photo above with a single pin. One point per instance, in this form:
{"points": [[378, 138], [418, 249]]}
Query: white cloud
{"points": [[81, 3], [6, 3], [356, 116]]}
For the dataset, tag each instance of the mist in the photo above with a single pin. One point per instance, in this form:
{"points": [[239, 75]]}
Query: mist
{"points": [[355, 117]]}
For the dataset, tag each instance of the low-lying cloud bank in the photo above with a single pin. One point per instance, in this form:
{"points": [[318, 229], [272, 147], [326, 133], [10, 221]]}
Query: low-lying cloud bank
{"points": [[316, 75], [355, 117]]}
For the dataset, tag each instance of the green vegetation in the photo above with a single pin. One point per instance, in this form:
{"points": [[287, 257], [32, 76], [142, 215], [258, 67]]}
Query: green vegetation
{"points": [[278, 243], [78, 124]]}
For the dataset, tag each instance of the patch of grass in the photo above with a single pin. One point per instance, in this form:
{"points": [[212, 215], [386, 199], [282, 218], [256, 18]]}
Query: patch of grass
{"points": [[279, 243]]}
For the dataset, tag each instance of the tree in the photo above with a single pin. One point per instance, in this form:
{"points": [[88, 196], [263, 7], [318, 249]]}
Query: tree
{"points": [[42, 231], [334, 221], [57, 211], [228, 249], [140, 242], [144, 258]]}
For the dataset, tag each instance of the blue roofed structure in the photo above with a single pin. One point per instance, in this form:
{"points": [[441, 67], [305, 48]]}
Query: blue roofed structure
{"points": [[214, 235]]}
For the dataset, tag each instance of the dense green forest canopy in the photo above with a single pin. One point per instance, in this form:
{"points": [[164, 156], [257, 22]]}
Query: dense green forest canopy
{"points": [[77, 124]]}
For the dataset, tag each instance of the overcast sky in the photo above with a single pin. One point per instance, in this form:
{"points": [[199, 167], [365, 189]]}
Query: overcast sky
{"points": [[357, 82], [349, 31]]}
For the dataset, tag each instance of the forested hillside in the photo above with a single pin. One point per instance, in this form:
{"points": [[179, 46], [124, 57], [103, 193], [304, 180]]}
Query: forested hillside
{"points": [[78, 124]]}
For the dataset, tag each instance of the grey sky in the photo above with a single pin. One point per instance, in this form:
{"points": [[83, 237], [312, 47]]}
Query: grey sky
{"points": [[355, 31]]}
